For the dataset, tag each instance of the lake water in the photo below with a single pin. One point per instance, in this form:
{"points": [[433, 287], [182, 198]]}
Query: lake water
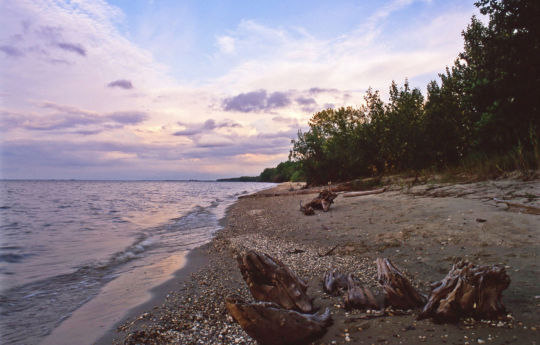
{"points": [[66, 243]]}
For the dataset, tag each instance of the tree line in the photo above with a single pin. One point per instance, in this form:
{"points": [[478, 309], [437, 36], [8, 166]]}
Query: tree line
{"points": [[484, 108]]}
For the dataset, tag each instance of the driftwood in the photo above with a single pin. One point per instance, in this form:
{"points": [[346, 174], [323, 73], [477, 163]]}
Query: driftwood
{"points": [[330, 251], [525, 208], [467, 291], [270, 280], [271, 325], [334, 282], [307, 210], [358, 296], [367, 192], [321, 202], [398, 291]]}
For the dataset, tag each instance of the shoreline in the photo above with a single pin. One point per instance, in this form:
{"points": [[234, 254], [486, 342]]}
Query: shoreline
{"points": [[194, 260], [422, 229]]}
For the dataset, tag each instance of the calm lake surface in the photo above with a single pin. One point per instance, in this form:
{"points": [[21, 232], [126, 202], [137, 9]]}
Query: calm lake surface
{"points": [[63, 242]]}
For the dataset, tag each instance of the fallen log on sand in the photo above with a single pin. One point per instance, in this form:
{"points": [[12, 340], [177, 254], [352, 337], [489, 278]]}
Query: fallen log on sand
{"points": [[525, 208], [270, 280], [321, 202], [398, 291], [467, 291], [358, 296], [366, 192], [271, 325]]}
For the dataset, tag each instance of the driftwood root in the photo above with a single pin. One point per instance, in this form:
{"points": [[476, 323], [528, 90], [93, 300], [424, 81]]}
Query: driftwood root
{"points": [[334, 282], [321, 202], [269, 324], [398, 291], [270, 280], [307, 210], [467, 291], [358, 296]]}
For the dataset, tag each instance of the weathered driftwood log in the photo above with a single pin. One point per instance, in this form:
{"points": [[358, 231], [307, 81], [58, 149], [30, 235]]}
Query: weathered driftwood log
{"points": [[467, 291], [366, 192], [323, 200], [358, 296], [398, 291], [269, 324], [334, 282], [270, 280], [307, 210]]}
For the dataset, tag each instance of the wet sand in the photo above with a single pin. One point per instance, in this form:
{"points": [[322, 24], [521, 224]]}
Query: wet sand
{"points": [[190, 263], [423, 229]]}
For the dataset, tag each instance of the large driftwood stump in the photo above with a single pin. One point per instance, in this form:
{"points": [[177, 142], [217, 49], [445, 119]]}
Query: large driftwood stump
{"points": [[307, 209], [358, 296], [334, 282], [321, 202], [269, 324], [467, 291], [398, 291], [270, 280]]}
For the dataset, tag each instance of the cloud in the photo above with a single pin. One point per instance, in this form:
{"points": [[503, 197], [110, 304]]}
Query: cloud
{"points": [[317, 90], [286, 120], [256, 101], [97, 158], [205, 127], [246, 102], [306, 101], [226, 44], [127, 117], [65, 118], [287, 72], [121, 83], [11, 51], [383, 47], [329, 106], [72, 47], [277, 100]]}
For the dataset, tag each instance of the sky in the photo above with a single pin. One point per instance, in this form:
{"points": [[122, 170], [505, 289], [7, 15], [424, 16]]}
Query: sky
{"points": [[177, 89]]}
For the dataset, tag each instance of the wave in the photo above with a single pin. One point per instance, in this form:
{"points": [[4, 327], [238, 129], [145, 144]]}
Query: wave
{"points": [[13, 258], [59, 296]]}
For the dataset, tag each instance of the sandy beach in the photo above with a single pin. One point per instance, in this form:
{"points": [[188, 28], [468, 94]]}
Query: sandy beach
{"points": [[423, 229]]}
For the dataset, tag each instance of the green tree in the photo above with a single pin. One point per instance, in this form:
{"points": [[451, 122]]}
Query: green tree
{"points": [[503, 62], [448, 125], [402, 137], [327, 151]]}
